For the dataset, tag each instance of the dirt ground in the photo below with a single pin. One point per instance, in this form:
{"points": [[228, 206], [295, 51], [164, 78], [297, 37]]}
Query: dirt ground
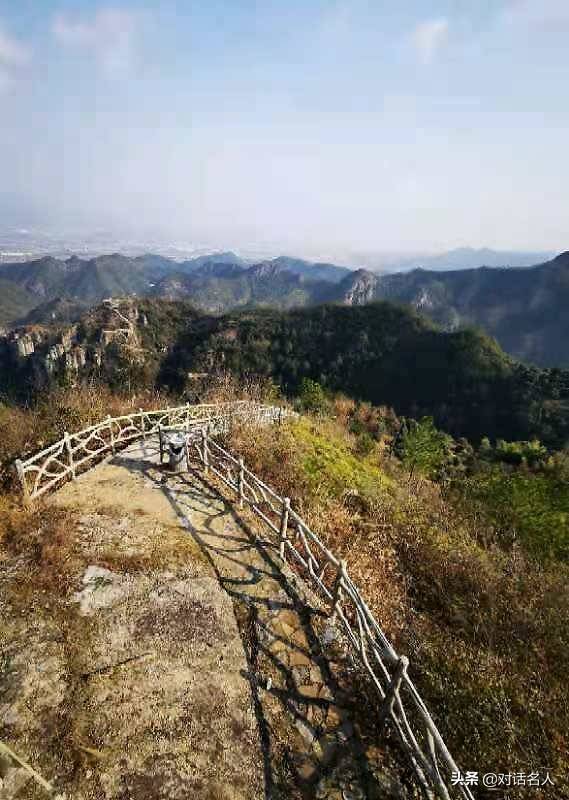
{"points": [[134, 685], [175, 660]]}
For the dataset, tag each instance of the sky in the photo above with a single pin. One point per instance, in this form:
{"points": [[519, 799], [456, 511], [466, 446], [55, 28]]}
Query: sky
{"points": [[356, 124]]}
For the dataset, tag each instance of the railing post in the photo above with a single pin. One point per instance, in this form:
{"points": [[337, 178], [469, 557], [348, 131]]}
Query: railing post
{"points": [[393, 689], [142, 424], [284, 527], [69, 449], [22, 479], [205, 449], [241, 482], [112, 433], [161, 443], [338, 589]]}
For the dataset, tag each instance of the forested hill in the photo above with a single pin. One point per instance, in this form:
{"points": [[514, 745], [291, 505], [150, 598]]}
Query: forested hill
{"points": [[384, 353], [525, 309], [388, 355]]}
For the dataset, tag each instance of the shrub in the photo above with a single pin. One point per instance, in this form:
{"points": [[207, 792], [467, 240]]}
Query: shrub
{"points": [[365, 444], [531, 453], [312, 396], [531, 508], [423, 448]]}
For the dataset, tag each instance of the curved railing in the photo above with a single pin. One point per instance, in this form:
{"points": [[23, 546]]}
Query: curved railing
{"points": [[76, 452], [298, 546]]}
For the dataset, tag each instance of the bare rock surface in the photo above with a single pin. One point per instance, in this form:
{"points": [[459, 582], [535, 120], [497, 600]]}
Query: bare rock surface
{"points": [[134, 683], [180, 660]]}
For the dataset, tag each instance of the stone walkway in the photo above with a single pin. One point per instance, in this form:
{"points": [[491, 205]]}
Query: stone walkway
{"points": [[124, 676], [247, 692], [298, 670]]}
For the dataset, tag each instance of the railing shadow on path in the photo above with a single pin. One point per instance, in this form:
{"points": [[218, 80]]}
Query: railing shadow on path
{"points": [[384, 674], [248, 568]]}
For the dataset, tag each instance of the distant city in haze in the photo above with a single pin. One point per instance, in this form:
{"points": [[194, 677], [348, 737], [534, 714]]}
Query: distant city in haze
{"points": [[24, 244]]}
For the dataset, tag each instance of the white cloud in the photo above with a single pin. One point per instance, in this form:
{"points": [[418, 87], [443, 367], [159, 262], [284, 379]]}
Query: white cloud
{"points": [[428, 37], [109, 34], [14, 56]]}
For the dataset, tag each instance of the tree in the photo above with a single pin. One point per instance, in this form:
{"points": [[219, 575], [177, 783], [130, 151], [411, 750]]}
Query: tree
{"points": [[424, 448], [312, 395]]}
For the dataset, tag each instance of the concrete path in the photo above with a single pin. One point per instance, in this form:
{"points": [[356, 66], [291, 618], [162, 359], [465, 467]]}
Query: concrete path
{"points": [[131, 684], [206, 670], [298, 672]]}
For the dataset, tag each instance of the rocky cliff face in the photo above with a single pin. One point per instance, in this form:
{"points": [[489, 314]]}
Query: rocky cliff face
{"points": [[120, 342], [16, 346], [358, 288], [40, 355], [43, 354]]}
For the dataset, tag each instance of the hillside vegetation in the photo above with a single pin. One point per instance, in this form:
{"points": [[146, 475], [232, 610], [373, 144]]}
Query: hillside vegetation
{"points": [[478, 602], [524, 308], [382, 353], [387, 355], [15, 301], [462, 551]]}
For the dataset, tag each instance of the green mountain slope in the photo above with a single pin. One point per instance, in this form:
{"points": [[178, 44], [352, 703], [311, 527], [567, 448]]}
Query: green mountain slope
{"points": [[525, 309], [388, 355], [47, 278], [14, 301], [59, 310], [380, 352], [313, 271], [219, 287]]}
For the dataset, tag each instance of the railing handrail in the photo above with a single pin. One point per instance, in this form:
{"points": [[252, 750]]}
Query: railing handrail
{"points": [[49, 467], [364, 633], [310, 556]]}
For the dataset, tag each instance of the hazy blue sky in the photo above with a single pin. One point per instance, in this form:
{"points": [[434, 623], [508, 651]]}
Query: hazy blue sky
{"points": [[372, 125]]}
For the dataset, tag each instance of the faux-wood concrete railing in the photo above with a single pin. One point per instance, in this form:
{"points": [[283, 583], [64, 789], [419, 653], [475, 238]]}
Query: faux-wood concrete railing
{"points": [[77, 452], [315, 564], [298, 546]]}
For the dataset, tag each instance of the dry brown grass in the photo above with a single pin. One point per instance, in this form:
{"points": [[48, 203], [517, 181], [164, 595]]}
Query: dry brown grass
{"points": [[225, 387], [25, 430], [43, 539], [486, 627], [354, 526]]}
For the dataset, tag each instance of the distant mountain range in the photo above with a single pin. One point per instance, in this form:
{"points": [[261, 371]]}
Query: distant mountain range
{"points": [[51, 290], [468, 258], [524, 308]]}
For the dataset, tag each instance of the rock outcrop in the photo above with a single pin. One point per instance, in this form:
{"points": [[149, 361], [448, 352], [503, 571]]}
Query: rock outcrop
{"points": [[43, 354], [358, 288]]}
